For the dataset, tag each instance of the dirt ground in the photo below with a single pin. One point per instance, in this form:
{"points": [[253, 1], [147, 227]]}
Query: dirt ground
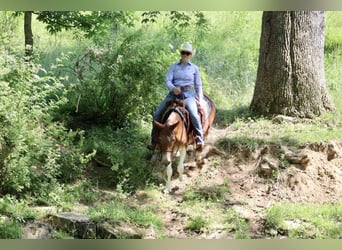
{"points": [[311, 174]]}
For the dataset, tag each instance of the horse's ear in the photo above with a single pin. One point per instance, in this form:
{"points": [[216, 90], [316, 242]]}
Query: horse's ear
{"points": [[158, 124]]}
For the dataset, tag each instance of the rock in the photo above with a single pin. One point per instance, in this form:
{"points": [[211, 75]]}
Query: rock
{"points": [[282, 118], [266, 165], [37, 230], [265, 170], [79, 225], [332, 152]]}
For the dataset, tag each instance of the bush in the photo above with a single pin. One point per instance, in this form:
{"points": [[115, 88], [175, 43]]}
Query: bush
{"points": [[10, 230], [35, 152], [119, 84], [123, 151]]}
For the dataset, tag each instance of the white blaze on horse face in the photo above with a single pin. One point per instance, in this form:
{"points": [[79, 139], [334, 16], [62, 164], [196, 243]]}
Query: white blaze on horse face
{"points": [[168, 156]]}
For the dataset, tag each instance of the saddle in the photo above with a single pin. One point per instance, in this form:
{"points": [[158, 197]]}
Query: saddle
{"points": [[178, 105], [181, 104]]}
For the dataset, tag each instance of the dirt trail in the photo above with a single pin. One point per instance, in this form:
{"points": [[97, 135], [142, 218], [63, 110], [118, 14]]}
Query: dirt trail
{"points": [[251, 192]]}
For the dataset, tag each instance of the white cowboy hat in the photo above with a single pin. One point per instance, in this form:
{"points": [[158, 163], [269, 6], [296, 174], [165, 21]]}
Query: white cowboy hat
{"points": [[187, 47]]}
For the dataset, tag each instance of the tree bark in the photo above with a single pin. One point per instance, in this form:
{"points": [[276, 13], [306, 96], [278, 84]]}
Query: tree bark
{"points": [[290, 79], [28, 35]]}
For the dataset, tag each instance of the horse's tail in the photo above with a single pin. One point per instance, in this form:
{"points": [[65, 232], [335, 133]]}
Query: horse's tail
{"points": [[210, 114]]}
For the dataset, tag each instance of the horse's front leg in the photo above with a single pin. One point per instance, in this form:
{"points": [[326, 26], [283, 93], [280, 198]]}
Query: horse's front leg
{"points": [[168, 173], [180, 167]]}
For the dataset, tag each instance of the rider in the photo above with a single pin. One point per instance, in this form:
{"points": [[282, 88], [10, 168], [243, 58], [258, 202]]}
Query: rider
{"points": [[181, 79]]}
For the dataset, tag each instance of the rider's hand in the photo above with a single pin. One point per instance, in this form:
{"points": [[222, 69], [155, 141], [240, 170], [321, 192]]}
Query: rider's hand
{"points": [[176, 91]]}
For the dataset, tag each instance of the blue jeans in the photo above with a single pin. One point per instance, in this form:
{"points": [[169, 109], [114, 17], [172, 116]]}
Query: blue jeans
{"points": [[191, 105]]}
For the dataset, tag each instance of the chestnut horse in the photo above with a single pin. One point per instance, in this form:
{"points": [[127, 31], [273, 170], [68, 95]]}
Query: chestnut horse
{"points": [[175, 135]]}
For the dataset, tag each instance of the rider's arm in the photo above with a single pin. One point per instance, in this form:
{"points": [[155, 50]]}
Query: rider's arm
{"points": [[169, 78], [198, 84]]}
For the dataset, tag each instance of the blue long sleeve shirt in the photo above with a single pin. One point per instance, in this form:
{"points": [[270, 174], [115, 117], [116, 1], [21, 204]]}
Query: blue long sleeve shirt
{"points": [[180, 75]]}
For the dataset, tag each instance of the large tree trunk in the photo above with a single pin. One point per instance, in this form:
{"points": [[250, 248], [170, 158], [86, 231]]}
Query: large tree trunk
{"points": [[28, 35], [290, 78]]}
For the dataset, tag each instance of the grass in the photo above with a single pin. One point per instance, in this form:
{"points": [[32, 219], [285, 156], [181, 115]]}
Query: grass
{"points": [[196, 224], [10, 230], [252, 133], [306, 221], [234, 222], [212, 193], [17, 210], [116, 211]]}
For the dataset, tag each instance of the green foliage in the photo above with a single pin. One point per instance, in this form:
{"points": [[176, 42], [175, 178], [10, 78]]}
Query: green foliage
{"points": [[228, 54], [111, 80], [17, 210], [60, 234], [91, 22], [234, 222], [305, 221], [83, 191], [10, 230], [196, 224], [179, 24], [8, 26], [238, 143], [123, 151], [333, 38], [212, 194], [115, 211], [35, 151]]}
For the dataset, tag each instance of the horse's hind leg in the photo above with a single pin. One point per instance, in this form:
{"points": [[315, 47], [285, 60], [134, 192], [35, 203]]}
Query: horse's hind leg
{"points": [[180, 167]]}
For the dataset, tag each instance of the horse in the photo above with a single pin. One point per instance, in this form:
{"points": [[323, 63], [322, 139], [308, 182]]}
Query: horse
{"points": [[175, 134]]}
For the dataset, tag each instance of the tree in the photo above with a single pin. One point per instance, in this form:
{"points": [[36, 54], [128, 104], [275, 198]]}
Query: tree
{"points": [[28, 34], [290, 77], [91, 23]]}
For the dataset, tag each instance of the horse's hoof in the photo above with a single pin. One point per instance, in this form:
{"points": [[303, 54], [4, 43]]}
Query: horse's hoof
{"points": [[180, 177]]}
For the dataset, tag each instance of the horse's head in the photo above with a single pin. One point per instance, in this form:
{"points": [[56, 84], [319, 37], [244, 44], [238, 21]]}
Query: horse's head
{"points": [[169, 134]]}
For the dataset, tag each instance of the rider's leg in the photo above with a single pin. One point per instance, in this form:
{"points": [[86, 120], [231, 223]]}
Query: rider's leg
{"points": [[195, 119]]}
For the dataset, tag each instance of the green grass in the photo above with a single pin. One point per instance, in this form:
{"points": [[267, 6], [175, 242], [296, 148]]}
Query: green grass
{"points": [[17, 210], [235, 223], [203, 206], [116, 211], [10, 230], [306, 221], [196, 224], [252, 133], [212, 194]]}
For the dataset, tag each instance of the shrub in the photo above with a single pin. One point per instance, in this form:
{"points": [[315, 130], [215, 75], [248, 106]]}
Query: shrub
{"points": [[196, 224], [123, 151], [118, 84], [35, 152], [10, 230]]}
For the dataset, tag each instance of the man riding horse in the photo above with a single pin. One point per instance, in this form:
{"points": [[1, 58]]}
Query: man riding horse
{"points": [[183, 79]]}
